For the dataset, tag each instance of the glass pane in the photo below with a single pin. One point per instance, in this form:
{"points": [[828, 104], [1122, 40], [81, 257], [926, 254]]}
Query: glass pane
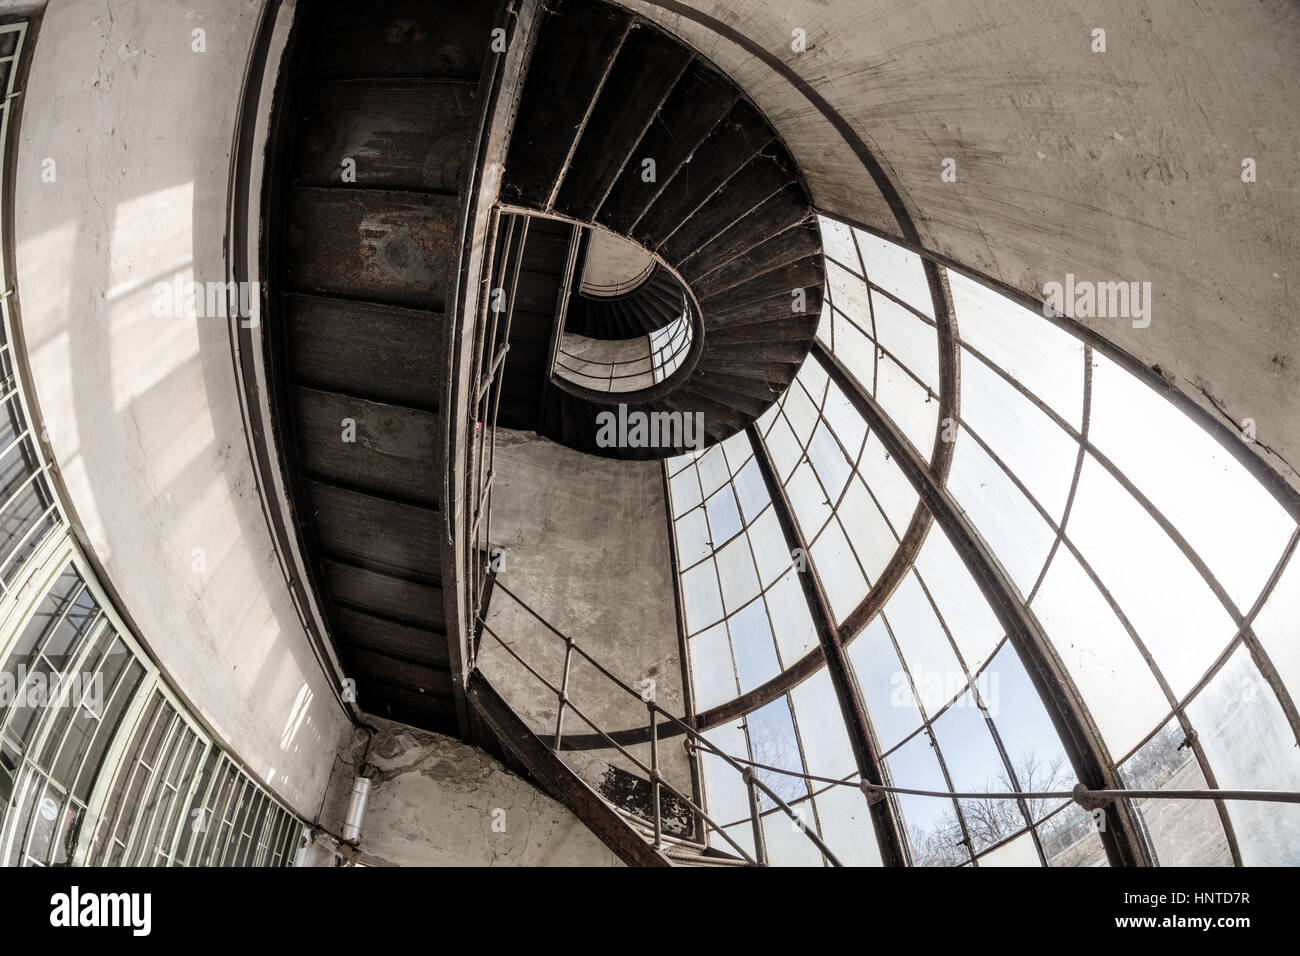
{"points": [[791, 621], [1117, 686], [772, 742], [1227, 516], [685, 488], [1018, 852], [974, 766], [724, 792], [845, 421], [872, 539], [1250, 746], [737, 450], [837, 242], [826, 747], [1017, 534], [713, 470], [838, 571], [786, 843], [784, 449], [1043, 358], [848, 293], [970, 620], [751, 643], [1182, 832], [701, 597], [856, 350], [897, 271], [1168, 603], [802, 403], [846, 826], [808, 500], [724, 517], [1031, 445], [770, 550], [908, 403], [107, 730], [890, 703], [936, 673], [751, 491], [1029, 739], [912, 341], [712, 675], [829, 461], [1070, 838], [888, 484], [692, 538], [736, 569], [932, 828]]}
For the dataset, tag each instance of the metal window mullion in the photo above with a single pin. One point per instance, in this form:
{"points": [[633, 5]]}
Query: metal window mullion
{"points": [[26, 538], [685, 662], [13, 495], [153, 787], [171, 824], [30, 764], [1263, 661], [926, 728], [108, 697], [857, 723], [1078, 732], [185, 798], [215, 802], [118, 764], [239, 810]]}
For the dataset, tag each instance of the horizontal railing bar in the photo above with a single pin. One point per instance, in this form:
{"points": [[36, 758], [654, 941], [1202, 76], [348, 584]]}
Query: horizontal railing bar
{"points": [[671, 789]]}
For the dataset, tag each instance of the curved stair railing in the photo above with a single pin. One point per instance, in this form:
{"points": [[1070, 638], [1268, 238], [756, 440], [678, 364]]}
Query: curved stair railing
{"points": [[613, 289], [753, 784], [625, 365]]}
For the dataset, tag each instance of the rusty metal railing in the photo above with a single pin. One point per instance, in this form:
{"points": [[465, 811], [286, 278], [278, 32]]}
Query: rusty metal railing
{"points": [[658, 784], [507, 234]]}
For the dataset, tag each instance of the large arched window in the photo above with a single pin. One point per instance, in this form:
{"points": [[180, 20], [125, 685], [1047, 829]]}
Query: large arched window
{"points": [[1160, 571]]}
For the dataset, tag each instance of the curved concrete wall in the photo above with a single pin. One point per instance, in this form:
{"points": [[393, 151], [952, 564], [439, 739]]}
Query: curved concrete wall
{"points": [[1122, 165], [142, 409]]}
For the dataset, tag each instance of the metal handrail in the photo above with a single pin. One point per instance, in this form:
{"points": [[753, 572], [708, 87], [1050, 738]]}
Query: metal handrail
{"points": [[609, 291], [1085, 797], [491, 348], [752, 782], [664, 359]]}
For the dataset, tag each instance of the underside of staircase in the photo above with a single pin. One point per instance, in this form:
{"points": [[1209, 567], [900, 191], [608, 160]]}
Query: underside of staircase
{"points": [[623, 128], [374, 151]]}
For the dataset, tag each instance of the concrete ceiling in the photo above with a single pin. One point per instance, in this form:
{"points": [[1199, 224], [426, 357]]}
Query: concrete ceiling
{"points": [[1122, 165]]}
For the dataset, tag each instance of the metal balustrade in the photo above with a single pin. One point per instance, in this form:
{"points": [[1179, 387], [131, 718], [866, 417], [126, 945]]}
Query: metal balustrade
{"points": [[625, 365], [753, 784]]}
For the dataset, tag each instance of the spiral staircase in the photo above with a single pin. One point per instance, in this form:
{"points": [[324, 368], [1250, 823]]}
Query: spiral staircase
{"points": [[374, 157], [623, 128]]}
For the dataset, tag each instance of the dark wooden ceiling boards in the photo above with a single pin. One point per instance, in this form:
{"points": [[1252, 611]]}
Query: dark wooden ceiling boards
{"points": [[358, 269]]}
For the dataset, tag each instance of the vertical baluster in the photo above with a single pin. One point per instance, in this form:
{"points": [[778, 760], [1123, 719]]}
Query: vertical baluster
{"points": [[564, 693], [655, 777], [760, 846]]}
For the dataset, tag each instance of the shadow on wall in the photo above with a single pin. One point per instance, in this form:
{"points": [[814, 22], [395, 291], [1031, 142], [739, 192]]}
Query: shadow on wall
{"points": [[135, 382]]}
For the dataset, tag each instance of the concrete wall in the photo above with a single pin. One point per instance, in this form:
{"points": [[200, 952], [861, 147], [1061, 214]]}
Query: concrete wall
{"points": [[586, 546], [438, 802], [142, 410], [1122, 165]]}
